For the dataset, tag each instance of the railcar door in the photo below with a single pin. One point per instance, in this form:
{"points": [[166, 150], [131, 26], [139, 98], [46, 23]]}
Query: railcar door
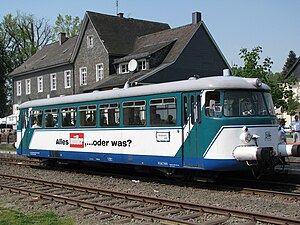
{"points": [[191, 111], [25, 132]]}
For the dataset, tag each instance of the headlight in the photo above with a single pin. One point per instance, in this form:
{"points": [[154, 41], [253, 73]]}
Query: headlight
{"points": [[258, 82], [245, 136]]}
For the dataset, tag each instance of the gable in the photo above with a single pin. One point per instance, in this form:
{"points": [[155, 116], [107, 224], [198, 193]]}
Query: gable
{"points": [[118, 34]]}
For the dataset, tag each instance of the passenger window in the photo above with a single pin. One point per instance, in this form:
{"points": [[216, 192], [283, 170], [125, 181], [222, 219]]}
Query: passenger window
{"points": [[51, 118], [87, 116], [36, 118], [212, 104], [110, 115], [68, 116], [134, 113], [163, 112]]}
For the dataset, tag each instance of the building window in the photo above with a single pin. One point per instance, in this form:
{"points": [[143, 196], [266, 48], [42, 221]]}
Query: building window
{"points": [[90, 41], [67, 78], [99, 72], [53, 81], [28, 87], [40, 84], [123, 68], [142, 64], [83, 76], [19, 88]]}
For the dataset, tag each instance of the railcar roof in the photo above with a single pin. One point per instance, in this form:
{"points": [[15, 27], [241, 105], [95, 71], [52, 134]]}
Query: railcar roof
{"points": [[208, 83]]}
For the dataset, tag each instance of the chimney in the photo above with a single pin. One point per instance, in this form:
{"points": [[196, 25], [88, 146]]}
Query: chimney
{"points": [[62, 38], [196, 17], [121, 15]]}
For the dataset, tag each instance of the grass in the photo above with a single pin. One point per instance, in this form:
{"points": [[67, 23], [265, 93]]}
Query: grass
{"points": [[7, 148], [14, 217]]}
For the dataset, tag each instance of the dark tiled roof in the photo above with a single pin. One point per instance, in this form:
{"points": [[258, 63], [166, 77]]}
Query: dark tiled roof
{"points": [[50, 55], [119, 34], [116, 80], [181, 36], [144, 51], [147, 45], [293, 68]]}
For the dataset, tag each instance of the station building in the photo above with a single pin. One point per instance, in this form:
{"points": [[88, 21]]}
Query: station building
{"points": [[111, 51]]}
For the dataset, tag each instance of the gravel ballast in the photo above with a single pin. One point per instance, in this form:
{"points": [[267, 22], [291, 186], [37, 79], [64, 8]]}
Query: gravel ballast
{"points": [[276, 206]]}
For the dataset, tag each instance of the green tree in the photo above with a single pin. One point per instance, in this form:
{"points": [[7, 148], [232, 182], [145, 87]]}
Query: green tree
{"points": [[25, 34], [3, 78], [287, 82], [21, 36], [67, 24], [290, 61], [253, 69]]}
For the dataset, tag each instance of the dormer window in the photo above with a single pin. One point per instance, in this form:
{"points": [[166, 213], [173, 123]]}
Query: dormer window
{"points": [[90, 41], [142, 64], [123, 68]]}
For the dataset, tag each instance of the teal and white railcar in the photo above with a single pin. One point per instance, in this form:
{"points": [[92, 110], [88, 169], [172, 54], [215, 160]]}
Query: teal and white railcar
{"points": [[220, 123]]}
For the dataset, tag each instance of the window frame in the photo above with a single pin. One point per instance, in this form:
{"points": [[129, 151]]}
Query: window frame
{"points": [[90, 41], [134, 104], [38, 117], [67, 76], [105, 117], [51, 111], [165, 102], [142, 64], [83, 76], [99, 72], [123, 66], [19, 88], [87, 108], [27, 86], [40, 84], [74, 116], [53, 82]]}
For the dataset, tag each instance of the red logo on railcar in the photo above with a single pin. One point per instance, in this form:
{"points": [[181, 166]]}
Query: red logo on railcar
{"points": [[76, 140]]}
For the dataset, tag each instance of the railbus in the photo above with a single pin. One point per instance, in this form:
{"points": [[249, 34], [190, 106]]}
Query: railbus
{"points": [[220, 123]]}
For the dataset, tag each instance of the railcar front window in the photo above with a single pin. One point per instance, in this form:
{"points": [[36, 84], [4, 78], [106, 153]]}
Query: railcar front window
{"points": [[269, 103], [247, 103], [213, 106]]}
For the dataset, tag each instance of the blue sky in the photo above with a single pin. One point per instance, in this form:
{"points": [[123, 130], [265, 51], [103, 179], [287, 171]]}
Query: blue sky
{"points": [[234, 24]]}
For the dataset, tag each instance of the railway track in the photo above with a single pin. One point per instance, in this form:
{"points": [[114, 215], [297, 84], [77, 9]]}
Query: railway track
{"points": [[269, 188], [19, 161], [123, 207]]}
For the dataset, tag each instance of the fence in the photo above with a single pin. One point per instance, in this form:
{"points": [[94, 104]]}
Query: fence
{"points": [[8, 138]]}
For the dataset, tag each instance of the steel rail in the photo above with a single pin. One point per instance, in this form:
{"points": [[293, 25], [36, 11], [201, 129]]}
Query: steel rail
{"points": [[136, 214]]}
